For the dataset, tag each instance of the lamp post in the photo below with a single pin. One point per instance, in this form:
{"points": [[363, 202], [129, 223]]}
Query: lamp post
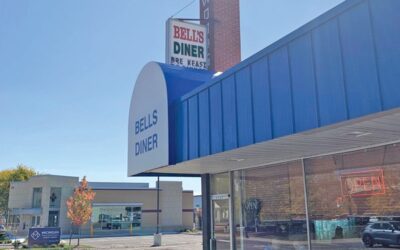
{"points": [[158, 204], [157, 235]]}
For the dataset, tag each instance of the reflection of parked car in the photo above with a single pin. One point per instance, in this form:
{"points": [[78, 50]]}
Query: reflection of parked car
{"points": [[2, 228], [383, 232], [116, 223], [284, 227], [110, 223]]}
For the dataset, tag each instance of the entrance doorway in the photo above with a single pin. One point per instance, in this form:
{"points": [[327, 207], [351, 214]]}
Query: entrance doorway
{"points": [[220, 210], [53, 218]]}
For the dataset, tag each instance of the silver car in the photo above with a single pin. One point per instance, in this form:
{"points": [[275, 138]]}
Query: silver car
{"points": [[382, 232]]}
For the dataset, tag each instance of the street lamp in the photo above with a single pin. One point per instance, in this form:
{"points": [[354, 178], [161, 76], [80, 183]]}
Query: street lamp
{"points": [[157, 235]]}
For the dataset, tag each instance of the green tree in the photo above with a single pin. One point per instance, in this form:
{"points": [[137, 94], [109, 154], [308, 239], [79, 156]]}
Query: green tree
{"points": [[20, 173]]}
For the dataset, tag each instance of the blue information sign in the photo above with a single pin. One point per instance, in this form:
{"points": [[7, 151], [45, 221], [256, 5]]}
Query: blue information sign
{"points": [[44, 236]]}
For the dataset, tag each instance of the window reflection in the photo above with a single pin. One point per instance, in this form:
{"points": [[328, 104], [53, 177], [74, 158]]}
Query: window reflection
{"points": [[55, 197], [349, 192], [220, 183], [270, 208], [37, 198], [353, 202], [116, 217]]}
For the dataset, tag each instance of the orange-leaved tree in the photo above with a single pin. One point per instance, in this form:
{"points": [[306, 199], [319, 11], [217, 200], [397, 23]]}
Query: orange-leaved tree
{"points": [[79, 205]]}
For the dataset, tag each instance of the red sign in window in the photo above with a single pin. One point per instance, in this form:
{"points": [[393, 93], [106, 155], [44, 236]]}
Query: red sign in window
{"points": [[363, 183]]}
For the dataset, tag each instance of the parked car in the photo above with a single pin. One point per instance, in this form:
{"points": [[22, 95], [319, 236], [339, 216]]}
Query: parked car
{"points": [[382, 232]]}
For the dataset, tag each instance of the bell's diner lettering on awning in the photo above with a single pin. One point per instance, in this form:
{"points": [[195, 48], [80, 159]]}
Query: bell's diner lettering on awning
{"points": [[147, 143], [148, 137]]}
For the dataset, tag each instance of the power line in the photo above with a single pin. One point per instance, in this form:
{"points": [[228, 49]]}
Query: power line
{"points": [[183, 8]]}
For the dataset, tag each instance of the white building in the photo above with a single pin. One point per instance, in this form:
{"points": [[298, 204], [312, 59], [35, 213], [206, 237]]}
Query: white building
{"points": [[118, 208]]}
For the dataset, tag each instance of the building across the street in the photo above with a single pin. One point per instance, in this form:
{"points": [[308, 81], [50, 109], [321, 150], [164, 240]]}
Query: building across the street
{"points": [[118, 208], [298, 146], [197, 212]]}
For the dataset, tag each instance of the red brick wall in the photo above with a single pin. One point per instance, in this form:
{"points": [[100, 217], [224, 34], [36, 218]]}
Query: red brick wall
{"points": [[223, 21], [279, 188]]}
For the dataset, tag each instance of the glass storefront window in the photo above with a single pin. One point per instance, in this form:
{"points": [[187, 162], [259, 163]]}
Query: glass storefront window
{"points": [[116, 217], [270, 208], [220, 183], [353, 202], [349, 192]]}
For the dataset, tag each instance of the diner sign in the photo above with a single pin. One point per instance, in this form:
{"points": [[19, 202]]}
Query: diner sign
{"points": [[186, 44]]}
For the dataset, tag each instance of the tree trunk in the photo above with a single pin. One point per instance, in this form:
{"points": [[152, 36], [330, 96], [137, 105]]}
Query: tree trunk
{"points": [[79, 234], [70, 235]]}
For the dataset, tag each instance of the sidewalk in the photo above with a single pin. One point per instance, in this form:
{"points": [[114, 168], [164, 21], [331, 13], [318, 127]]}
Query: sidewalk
{"points": [[169, 241]]}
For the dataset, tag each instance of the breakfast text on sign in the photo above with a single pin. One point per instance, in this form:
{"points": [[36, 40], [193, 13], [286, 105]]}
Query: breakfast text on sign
{"points": [[148, 143]]}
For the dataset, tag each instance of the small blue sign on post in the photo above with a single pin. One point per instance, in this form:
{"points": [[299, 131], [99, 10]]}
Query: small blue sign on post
{"points": [[44, 236]]}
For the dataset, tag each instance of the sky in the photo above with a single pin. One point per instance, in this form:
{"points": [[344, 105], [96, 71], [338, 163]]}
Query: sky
{"points": [[68, 68]]}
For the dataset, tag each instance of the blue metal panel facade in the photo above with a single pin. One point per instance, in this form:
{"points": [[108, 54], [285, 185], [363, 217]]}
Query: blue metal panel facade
{"points": [[261, 97], [204, 123], [179, 82], [360, 72], [193, 116], [329, 73], [182, 133], [385, 21], [303, 84], [342, 65], [244, 107], [229, 121], [281, 93], [216, 134]]}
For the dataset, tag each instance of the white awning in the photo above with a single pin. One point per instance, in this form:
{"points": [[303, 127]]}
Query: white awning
{"points": [[365, 132]]}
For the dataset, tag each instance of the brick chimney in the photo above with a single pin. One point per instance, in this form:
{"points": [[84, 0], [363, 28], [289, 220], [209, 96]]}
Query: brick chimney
{"points": [[223, 23]]}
